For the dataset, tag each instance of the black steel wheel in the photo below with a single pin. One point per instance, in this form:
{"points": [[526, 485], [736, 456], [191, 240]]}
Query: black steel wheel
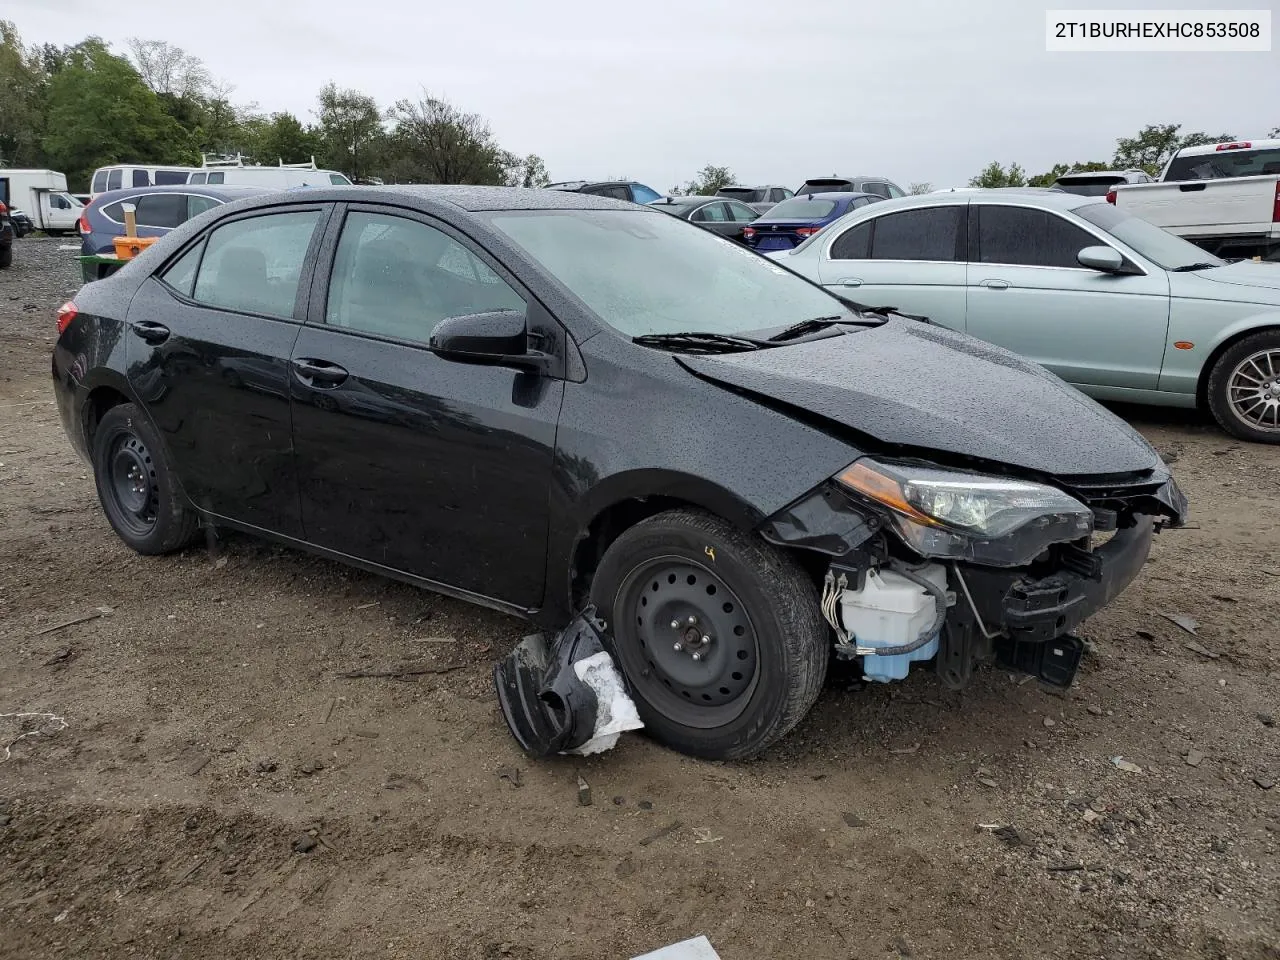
{"points": [[718, 634], [136, 484]]}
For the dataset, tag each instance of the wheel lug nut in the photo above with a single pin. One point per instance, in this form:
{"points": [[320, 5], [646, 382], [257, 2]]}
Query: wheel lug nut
{"points": [[705, 638], [675, 624], [692, 619], [697, 656], [677, 647]]}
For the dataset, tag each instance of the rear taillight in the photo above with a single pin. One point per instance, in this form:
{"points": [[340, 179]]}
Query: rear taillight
{"points": [[748, 232], [66, 313], [83, 226], [1275, 208], [807, 231], [1243, 145], [1111, 196]]}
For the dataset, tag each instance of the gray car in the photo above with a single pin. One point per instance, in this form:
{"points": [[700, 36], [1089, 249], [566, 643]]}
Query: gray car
{"points": [[761, 199], [879, 186], [1112, 304]]}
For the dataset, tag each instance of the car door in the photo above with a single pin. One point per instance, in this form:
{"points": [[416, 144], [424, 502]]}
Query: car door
{"points": [[406, 460], [715, 217], [910, 259], [209, 342], [739, 216], [1028, 293]]}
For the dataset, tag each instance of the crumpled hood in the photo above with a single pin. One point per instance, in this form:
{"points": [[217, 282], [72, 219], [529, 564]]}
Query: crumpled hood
{"points": [[1256, 282], [924, 386]]}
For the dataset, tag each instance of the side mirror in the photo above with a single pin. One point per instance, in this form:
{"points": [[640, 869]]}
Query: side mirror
{"points": [[1106, 259], [499, 337]]}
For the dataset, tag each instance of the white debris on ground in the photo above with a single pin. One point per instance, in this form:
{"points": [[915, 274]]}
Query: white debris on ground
{"points": [[699, 948]]}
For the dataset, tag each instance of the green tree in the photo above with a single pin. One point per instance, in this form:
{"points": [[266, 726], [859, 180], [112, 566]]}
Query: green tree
{"points": [[22, 91], [433, 141], [350, 129], [709, 179], [1151, 149], [279, 138], [533, 172], [995, 175], [100, 112]]}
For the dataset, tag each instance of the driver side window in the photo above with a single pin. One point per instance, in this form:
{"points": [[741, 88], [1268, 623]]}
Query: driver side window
{"points": [[396, 277], [1027, 237]]}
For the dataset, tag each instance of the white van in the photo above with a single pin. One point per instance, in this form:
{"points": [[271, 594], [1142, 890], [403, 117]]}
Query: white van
{"points": [[42, 196], [284, 176], [121, 176]]}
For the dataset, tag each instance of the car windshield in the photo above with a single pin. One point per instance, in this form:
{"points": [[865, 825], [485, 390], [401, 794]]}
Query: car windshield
{"points": [[745, 194], [1088, 186], [1159, 246], [801, 208], [644, 274], [1225, 163]]}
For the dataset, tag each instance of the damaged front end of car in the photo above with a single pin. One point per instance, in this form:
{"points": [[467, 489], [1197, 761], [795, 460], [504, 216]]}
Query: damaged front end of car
{"points": [[930, 562]]}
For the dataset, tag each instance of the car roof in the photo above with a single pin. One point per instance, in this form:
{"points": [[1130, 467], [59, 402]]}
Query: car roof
{"points": [[572, 185], [836, 176], [465, 198], [832, 195], [1213, 147], [1083, 174], [216, 191], [1032, 196], [758, 186]]}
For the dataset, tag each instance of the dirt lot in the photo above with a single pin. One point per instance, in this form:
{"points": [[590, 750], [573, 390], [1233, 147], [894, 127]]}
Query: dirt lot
{"points": [[203, 731]]}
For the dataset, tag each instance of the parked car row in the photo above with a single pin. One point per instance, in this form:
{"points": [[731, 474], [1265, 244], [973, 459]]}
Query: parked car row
{"points": [[1114, 305]]}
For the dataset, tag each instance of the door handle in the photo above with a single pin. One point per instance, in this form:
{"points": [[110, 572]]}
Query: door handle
{"points": [[151, 331], [849, 282], [996, 284], [318, 373]]}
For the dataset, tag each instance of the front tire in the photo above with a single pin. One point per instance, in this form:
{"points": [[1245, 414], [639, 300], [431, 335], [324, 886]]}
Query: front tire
{"points": [[136, 484], [1244, 388], [719, 634]]}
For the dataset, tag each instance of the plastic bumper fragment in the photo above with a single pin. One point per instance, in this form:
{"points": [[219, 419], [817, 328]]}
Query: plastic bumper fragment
{"points": [[564, 696]]}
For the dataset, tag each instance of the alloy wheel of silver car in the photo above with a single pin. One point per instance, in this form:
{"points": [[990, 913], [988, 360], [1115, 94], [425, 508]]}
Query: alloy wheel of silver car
{"points": [[1254, 390]]}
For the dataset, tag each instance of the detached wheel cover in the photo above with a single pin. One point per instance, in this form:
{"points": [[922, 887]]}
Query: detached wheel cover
{"points": [[686, 641]]}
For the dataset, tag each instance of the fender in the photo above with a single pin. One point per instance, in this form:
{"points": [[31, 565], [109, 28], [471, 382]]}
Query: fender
{"points": [[1184, 371]]}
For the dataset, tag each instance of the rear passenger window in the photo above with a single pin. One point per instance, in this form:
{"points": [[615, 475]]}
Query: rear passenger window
{"points": [[931, 234], [853, 244], [114, 179], [197, 205], [170, 177], [141, 179], [711, 213], [114, 211], [100, 182], [198, 178], [181, 274], [1029, 238], [217, 177], [162, 210], [255, 265], [879, 189], [399, 278]]}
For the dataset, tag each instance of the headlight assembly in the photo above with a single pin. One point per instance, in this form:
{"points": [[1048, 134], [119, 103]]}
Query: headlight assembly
{"points": [[969, 516]]}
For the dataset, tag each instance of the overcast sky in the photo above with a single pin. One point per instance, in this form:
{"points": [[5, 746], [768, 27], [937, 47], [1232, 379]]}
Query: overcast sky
{"points": [[917, 90]]}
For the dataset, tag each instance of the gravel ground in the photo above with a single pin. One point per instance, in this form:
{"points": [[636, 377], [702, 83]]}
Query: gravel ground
{"points": [[207, 785]]}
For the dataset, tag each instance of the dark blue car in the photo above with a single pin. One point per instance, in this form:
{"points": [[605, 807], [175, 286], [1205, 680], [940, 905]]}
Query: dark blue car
{"points": [[159, 210], [793, 221]]}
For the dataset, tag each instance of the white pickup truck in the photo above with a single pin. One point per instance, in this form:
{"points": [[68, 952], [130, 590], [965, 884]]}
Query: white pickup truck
{"points": [[1223, 197]]}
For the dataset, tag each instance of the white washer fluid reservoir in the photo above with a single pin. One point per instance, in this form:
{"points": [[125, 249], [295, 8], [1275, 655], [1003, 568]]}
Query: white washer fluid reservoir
{"points": [[891, 611]]}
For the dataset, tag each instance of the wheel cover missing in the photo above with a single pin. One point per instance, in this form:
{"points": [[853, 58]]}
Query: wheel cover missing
{"points": [[685, 641]]}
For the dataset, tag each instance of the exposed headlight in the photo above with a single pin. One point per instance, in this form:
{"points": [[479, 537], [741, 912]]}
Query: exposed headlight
{"points": [[970, 516]]}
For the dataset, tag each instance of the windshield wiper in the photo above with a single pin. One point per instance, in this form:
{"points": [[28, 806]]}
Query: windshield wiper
{"points": [[813, 325], [699, 341], [1189, 267]]}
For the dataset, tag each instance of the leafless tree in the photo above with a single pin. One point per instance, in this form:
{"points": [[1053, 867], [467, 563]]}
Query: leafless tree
{"points": [[166, 68]]}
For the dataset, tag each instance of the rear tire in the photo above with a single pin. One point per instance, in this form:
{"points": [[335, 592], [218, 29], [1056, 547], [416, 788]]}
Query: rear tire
{"points": [[1244, 388], [136, 484], [746, 608]]}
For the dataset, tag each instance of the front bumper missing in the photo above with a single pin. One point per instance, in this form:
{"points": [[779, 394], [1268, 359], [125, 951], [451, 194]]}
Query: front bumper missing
{"points": [[1028, 609]]}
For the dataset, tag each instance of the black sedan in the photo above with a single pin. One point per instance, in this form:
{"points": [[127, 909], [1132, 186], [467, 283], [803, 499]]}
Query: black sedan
{"points": [[538, 400], [727, 218]]}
